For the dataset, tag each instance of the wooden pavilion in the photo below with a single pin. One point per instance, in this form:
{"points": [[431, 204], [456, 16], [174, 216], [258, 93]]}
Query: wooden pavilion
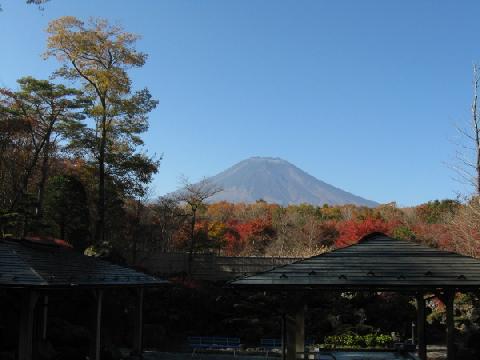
{"points": [[376, 263], [36, 270]]}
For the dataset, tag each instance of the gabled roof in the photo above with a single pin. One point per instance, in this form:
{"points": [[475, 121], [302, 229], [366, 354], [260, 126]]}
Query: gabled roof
{"points": [[376, 262], [24, 263]]}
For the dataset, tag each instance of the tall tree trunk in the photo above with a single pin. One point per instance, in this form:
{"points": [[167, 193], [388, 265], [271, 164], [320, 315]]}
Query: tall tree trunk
{"points": [[100, 229], [136, 228]]}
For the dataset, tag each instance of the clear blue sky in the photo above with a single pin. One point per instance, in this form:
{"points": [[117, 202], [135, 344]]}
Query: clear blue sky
{"points": [[361, 94]]}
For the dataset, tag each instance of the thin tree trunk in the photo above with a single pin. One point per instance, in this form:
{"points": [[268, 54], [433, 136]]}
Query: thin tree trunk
{"points": [[192, 241], [43, 180], [475, 124], [31, 167], [25, 180]]}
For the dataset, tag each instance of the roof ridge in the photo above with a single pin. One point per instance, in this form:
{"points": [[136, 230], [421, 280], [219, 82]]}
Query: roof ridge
{"points": [[375, 263]]}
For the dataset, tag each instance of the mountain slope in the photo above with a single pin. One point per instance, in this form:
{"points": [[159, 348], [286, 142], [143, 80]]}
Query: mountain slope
{"points": [[278, 181]]}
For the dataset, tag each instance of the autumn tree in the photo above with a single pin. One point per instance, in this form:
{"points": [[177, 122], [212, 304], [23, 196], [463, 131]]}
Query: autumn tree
{"points": [[14, 154], [140, 221], [255, 236], [169, 216], [48, 113], [465, 228], [194, 195], [437, 211], [99, 56]]}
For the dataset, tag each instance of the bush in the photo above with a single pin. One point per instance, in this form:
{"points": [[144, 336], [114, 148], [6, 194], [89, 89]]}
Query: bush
{"points": [[352, 341]]}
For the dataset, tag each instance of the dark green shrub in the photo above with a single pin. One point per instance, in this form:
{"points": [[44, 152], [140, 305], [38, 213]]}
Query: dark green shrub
{"points": [[352, 341]]}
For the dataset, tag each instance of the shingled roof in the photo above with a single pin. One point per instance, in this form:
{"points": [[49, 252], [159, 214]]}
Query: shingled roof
{"points": [[376, 262], [25, 263]]}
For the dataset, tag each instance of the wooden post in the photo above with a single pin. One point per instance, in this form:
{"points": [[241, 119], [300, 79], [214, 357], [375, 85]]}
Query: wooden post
{"points": [[44, 318], [422, 344], [97, 324], [449, 304], [27, 315], [284, 336], [138, 323], [295, 329], [300, 332], [291, 330]]}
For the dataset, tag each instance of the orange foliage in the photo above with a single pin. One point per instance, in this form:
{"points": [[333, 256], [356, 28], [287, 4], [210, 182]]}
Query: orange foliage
{"points": [[221, 211]]}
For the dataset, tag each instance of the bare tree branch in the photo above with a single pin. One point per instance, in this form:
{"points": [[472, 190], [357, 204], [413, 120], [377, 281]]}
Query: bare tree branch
{"points": [[467, 156]]}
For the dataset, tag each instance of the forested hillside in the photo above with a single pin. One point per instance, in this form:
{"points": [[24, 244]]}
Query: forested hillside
{"points": [[263, 229]]}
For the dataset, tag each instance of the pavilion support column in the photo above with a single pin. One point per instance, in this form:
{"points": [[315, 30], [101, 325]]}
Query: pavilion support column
{"points": [[284, 336], [449, 303], [43, 317], [300, 332], [27, 316], [138, 323], [97, 325], [422, 344], [295, 329]]}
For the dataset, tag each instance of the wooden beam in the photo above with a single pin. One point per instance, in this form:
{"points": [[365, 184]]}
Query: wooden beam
{"points": [[138, 323], [449, 304], [422, 344], [27, 316]]}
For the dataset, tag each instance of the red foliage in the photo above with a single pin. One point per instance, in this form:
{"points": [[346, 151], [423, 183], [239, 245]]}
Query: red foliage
{"points": [[47, 240], [351, 231], [241, 234], [234, 243]]}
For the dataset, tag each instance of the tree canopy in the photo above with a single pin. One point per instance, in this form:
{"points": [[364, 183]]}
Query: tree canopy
{"points": [[98, 55]]}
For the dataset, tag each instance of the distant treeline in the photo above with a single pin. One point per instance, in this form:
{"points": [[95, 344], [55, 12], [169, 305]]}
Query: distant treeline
{"points": [[303, 230]]}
